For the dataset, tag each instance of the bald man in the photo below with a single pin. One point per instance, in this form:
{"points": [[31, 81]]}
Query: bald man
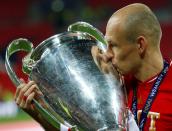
{"points": [[133, 34]]}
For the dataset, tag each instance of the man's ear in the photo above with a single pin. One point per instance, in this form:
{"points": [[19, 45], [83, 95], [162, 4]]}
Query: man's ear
{"points": [[142, 45]]}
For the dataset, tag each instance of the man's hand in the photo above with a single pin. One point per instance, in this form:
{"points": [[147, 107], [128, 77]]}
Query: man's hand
{"points": [[25, 93]]}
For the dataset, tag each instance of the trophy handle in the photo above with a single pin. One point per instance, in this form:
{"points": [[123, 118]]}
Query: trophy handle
{"points": [[89, 29], [25, 45]]}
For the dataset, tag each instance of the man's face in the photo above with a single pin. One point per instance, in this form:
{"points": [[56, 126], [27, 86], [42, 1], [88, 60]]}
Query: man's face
{"points": [[125, 56]]}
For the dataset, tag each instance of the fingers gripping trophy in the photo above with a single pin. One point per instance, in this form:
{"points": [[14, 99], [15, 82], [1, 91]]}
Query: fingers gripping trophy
{"points": [[74, 88]]}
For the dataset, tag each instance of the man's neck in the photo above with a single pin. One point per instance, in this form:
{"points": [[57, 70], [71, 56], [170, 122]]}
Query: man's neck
{"points": [[150, 68]]}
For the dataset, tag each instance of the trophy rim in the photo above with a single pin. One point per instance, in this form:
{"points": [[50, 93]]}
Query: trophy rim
{"points": [[35, 55]]}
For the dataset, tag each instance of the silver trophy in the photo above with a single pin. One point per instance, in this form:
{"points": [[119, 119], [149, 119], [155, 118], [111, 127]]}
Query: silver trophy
{"points": [[76, 92]]}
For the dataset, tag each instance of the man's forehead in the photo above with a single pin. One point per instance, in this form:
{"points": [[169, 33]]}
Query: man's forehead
{"points": [[114, 29], [113, 25]]}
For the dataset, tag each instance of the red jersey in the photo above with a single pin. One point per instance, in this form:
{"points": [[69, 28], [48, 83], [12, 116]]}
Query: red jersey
{"points": [[160, 115]]}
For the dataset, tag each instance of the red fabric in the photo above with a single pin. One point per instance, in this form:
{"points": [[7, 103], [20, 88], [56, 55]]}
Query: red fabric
{"points": [[162, 105]]}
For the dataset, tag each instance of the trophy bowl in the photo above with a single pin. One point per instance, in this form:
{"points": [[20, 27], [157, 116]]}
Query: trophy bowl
{"points": [[73, 87]]}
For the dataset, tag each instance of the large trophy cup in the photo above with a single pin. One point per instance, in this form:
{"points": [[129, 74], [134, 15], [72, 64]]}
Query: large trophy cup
{"points": [[76, 92]]}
